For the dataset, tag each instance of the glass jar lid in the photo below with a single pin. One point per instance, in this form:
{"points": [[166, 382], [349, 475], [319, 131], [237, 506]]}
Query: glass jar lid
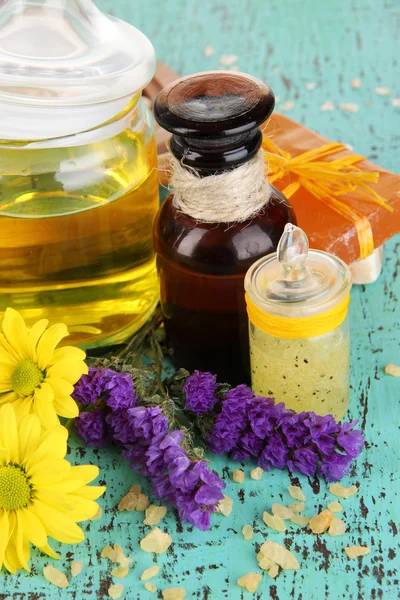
{"points": [[67, 52], [296, 281]]}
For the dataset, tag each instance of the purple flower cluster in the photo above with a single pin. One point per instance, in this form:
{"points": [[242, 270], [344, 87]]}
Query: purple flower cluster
{"points": [[106, 393], [187, 484], [252, 426], [231, 421], [148, 445], [199, 389]]}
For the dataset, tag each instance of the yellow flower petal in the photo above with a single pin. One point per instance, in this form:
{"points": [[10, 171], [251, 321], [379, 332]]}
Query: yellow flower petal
{"points": [[44, 392], [6, 358], [61, 387], [6, 372], [6, 346], [46, 549], [21, 543], [32, 527], [91, 492], [66, 407], [12, 522], [78, 509], [85, 473], [4, 534], [6, 386], [11, 560], [29, 437], [34, 335], [70, 370], [5, 458], [16, 333], [53, 445], [67, 353], [10, 397], [48, 471], [57, 525], [84, 508], [22, 406], [48, 342], [8, 431], [65, 486], [62, 502], [46, 413]]}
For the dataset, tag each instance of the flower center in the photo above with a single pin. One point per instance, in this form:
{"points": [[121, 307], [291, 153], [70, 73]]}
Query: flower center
{"points": [[15, 491], [26, 377]]}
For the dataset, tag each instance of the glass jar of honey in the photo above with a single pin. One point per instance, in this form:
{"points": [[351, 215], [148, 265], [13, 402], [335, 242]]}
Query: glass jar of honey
{"points": [[78, 179], [297, 303], [221, 216]]}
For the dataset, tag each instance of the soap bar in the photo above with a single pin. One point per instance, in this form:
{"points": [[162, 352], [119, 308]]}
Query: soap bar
{"points": [[368, 269], [327, 230]]}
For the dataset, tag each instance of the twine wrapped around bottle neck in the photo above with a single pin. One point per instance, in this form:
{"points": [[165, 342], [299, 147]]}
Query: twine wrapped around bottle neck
{"points": [[232, 196]]}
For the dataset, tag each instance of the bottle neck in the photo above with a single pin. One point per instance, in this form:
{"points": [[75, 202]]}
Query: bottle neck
{"points": [[214, 155]]}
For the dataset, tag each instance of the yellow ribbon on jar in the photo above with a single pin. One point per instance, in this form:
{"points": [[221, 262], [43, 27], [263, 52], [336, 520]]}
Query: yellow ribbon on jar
{"points": [[298, 327], [328, 181]]}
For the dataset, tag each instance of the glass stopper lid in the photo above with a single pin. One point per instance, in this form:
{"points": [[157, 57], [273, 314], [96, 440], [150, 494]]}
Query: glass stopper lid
{"points": [[67, 52], [297, 276]]}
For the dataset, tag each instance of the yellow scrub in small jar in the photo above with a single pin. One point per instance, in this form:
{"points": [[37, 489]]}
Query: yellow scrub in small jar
{"points": [[297, 302]]}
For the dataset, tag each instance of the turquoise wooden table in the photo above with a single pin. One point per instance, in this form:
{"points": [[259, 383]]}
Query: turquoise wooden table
{"points": [[289, 43]]}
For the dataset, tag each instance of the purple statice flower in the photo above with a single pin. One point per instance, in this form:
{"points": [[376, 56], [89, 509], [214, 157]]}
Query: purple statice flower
{"points": [[265, 416], [91, 428], [223, 437], [163, 488], [335, 466], [321, 430], [199, 390], [90, 388], [275, 453], [172, 439], [147, 422], [248, 446], [248, 426], [120, 427], [179, 481], [105, 384], [121, 394], [208, 495], [350, 440], [136, 455], [177, 470], [202, 492], [295, 429], [163, 450], [231, 420], [304, 460], [260, 415], [115, 394], [235, 403]]}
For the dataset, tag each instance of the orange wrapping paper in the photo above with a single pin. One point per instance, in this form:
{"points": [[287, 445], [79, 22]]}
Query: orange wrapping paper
{"points": [[326, 229]]}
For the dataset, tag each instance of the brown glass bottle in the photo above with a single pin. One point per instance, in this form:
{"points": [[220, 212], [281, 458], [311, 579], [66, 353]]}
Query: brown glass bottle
{"points": [[215, 119]]}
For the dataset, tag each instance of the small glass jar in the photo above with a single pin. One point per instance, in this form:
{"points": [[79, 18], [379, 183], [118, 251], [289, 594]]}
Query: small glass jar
{"points": [[79, 186], [297, 303]]}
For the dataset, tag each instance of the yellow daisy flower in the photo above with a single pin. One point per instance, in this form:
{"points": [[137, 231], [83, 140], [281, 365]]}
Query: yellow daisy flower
{"points": [[41, 494], [34, 375]]}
